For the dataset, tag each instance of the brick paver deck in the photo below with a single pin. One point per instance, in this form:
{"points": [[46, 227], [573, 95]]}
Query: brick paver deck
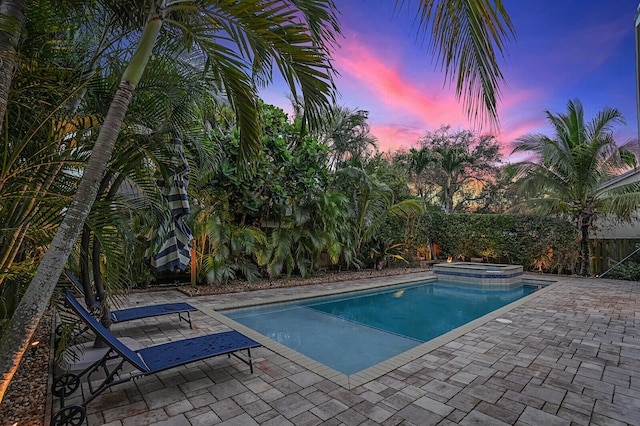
{"points": [[569, 356]]}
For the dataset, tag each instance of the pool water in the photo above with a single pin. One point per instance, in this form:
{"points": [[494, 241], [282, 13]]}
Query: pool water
{"points": [[354, 331]]}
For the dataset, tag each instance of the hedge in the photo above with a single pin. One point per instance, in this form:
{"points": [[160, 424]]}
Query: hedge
{"points": [[536, 242]]}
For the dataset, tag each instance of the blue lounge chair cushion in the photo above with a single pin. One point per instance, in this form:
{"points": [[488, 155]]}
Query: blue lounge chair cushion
{"points": [[150, 311], [141, 311], [172, 354]]}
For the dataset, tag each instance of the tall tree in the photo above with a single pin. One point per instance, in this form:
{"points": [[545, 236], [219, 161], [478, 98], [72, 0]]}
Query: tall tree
{"points": [[568, 170], [417, 162], [292, 35], [12, 15], [346, 133], [458, 160]]}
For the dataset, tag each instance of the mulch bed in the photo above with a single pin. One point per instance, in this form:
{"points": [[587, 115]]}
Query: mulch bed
{"points": [[238, 286], [26, 399]]}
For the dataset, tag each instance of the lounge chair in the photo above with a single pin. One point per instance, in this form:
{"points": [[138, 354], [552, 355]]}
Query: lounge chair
{"points": [[145, 361], [142, 311]]}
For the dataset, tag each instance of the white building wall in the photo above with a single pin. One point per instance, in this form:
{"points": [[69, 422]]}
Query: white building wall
{"points": [[608, 229]]}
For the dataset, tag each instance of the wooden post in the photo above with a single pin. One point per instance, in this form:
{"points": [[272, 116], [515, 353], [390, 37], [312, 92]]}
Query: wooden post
{"points": [[193, 262]]}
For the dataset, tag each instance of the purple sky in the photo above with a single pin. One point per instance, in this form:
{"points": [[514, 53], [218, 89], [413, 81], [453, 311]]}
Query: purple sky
{"points": [[563, 50]]}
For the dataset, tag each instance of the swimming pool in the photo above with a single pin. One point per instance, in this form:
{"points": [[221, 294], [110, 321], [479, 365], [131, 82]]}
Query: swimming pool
{"points": [[354, 331]]}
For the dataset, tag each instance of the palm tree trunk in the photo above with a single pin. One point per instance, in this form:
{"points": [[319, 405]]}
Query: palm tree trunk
{"points": [[585, 250], [91, 299], [85, 275], [448, 196], [12, 13], [24, 321]]}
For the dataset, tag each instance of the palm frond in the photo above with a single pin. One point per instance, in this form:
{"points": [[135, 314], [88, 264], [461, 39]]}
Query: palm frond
{"points": [[467, 37]]}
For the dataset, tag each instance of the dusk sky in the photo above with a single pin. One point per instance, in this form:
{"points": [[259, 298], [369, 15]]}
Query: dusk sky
{"points": [[563, 49]]}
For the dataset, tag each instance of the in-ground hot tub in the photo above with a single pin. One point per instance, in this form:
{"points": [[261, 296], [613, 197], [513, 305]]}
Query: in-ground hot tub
{"points": [[479, 273]]}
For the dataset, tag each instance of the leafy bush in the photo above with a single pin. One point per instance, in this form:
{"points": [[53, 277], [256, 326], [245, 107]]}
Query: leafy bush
{"points": [[536, 242], [628, 270]]}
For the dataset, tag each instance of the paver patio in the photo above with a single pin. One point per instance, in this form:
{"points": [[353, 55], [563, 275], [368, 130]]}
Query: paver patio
{"points": [[571, 355]]}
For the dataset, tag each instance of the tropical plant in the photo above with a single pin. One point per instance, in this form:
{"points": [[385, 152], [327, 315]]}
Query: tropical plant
{"points": [[566, 175], [372, 201], [456, 165], [295, 245], [289, 35], [382, 251], [346, 133], [235, 251]]}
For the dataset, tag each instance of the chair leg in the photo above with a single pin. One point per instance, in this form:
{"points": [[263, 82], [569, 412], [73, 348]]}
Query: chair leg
{"points": [[248, 361], [187, 318]]}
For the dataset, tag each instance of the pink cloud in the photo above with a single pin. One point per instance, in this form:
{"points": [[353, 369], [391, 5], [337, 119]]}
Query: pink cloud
{"points": [[424, 104], [516, 98], [395, 137], [508, 134], [425, 101]]}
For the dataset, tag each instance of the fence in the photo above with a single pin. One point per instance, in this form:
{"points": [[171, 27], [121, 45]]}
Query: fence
{"points": [[606, 253]]}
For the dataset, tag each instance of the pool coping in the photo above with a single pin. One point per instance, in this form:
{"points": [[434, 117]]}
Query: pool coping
{"points": [[380, 369]]}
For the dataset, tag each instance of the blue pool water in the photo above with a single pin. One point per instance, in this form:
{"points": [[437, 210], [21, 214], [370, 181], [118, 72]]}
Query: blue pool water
{"points": [[354, 331]]}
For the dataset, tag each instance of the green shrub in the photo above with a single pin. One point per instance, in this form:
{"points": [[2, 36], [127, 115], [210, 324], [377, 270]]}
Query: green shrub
{"points": [[628, 270], [536, 242]]}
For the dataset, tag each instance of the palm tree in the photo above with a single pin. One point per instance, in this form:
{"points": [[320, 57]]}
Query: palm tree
{"points": [[568, 170], [295, 37], [13, 16], [456, 162], [466, 37], [452, 161], [346, 133], [418, 161]]}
